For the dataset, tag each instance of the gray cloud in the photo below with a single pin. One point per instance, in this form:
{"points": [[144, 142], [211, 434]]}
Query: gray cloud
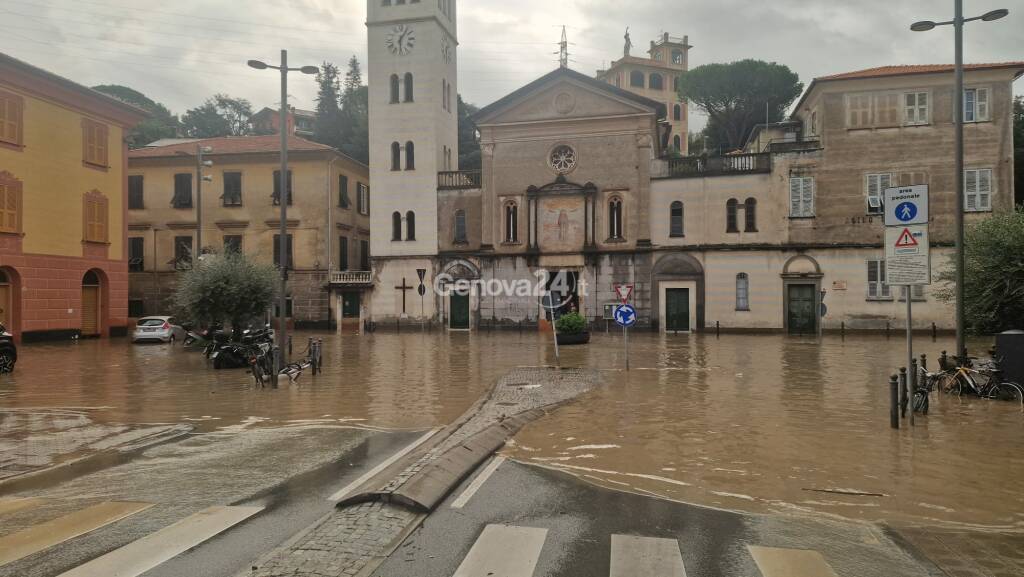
{"points": [[180, 53]]}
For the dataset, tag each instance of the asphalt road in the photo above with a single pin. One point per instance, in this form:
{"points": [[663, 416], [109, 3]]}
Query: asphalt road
{"points": [[288, 471], [581, 519]]}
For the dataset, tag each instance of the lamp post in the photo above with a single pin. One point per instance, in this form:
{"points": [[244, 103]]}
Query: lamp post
{"points": [[200, 179], [283, 199], [958, 22]]}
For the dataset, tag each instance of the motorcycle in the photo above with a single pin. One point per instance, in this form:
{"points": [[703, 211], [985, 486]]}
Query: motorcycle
{"points": [[228, 354], [194, 336]]}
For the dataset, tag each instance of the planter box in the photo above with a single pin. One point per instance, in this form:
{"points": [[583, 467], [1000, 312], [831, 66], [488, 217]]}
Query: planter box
{"points": [[577, 339]]}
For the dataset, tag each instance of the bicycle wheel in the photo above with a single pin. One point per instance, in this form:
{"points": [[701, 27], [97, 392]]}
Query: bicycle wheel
{"points": [[1007, 392], [949, 383], [921, 401]]}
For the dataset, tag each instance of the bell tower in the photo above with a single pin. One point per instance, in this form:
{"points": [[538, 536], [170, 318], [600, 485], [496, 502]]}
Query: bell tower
{"points": [[413, 126]]}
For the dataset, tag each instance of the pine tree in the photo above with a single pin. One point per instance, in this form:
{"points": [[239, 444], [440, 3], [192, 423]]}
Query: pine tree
{"points": [[329, 122], [355, 123]]}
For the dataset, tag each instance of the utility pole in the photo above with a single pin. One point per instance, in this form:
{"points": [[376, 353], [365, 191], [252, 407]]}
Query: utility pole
{"points": [[200, 179]]}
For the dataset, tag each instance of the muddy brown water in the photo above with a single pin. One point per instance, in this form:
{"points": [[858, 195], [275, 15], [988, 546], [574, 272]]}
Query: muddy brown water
{"points": [[760, 423]]}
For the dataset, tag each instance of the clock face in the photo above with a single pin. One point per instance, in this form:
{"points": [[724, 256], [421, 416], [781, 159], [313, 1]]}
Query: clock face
{"points": [[446, 51], [401, 40]]}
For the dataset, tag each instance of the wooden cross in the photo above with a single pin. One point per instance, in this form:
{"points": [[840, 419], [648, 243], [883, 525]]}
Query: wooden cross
{"points": [[404, 288]]}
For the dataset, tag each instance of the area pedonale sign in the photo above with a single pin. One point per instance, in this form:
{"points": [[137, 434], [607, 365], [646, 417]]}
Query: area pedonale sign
{"points": [[907, 250]]}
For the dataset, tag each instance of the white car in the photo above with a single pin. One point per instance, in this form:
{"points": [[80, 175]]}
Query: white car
{"points": [[163, 329]]}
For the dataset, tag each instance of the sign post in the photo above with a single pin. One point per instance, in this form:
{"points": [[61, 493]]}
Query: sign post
{"points": [[422, 290], [907, 255], [625, 315]]}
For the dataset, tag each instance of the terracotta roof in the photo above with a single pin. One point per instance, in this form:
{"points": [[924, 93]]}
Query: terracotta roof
{"points": [[917, 69], [231, 145]]}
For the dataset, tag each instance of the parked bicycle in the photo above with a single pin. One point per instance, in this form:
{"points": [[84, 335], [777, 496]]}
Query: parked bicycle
{"points": [[985, 381]]}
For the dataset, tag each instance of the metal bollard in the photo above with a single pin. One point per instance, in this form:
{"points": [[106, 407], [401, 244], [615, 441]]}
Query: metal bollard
{"points": [[912, 377], [943, 361], [289, 345], [903, 392], [935, 332], [398, 325], [718, 329], [924, 362], [842, 329], [886, 329], [894, 402]]}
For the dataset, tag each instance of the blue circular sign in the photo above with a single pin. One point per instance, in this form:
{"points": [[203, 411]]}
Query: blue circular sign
{"points": [[906, 211], [625, 315]]}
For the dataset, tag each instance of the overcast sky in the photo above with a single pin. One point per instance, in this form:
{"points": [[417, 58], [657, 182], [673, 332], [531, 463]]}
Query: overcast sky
{"points": [[181, 52]]}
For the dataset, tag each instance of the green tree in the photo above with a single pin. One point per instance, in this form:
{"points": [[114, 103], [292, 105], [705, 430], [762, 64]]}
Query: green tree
{"points": [[469, 139], [160, 124], [1018, 149], [355, 110], [735, 95], [329, 125], [221, 115], [224, 288], [993, 276]]}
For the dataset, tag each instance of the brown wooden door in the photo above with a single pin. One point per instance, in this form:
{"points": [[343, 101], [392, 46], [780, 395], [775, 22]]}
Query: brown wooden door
{"points": [[90, 310]]}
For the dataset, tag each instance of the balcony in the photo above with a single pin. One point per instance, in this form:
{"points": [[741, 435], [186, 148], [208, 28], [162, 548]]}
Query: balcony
{"points": [[458, 180], [784, 146], [352, 278], [701, 166]]}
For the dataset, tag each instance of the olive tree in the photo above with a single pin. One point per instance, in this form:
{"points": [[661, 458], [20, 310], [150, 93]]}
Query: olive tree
{"points": [[993, 275], [224, 288]]}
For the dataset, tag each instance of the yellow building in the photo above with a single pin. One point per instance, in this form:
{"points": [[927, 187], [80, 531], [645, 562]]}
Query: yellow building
{"points": [[328, 219], [657, 77], [63, 194]]}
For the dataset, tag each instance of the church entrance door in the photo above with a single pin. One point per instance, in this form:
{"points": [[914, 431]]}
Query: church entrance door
{"points": [[459, 307]]}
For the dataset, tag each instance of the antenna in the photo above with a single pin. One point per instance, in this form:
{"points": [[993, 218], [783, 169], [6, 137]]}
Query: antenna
{"points": [[563, 51]]}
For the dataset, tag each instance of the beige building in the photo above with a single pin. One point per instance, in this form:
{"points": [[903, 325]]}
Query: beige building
{"points": [[657, 78], [328, 219]]}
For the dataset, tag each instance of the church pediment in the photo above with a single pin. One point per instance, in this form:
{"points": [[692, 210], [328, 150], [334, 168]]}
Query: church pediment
{"points": [[565, 95], [561, 186]]}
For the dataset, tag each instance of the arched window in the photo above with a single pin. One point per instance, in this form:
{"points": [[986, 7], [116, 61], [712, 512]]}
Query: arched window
{"points": [[396, 225], [742, 292], [408, 87], [511, 222], [677, 142], [656, 82], [750, 215], [615, 218], [394, 89], [676, 219], [636, 79], [460, 225], [396, 156], [410, 156], [730, 216], [410, 225], [677, 57], [677, 112]]}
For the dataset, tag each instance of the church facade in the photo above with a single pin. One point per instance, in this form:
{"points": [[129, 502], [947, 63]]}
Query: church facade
{"points": [[578, 193]]}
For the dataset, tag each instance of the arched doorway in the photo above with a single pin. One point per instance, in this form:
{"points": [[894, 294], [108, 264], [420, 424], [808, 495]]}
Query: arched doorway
{"points": [[678, 295], [459, 303], [9, 299], [92, 306], [801, 283]]}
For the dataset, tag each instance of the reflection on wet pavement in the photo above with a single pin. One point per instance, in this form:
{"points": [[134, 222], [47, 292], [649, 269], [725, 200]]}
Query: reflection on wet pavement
{"points": [[769, 423]]}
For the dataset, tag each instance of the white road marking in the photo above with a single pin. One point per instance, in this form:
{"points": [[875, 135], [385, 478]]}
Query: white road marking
{"points": [[503, 551], [478, 482], [45, 535], [775, 562], [387, 463], [645, 557], [140, 556]]}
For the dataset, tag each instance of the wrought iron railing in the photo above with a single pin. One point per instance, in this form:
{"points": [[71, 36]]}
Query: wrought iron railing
{"points": [[352, 277], [698, 166], [458, 179], [783, 146]]}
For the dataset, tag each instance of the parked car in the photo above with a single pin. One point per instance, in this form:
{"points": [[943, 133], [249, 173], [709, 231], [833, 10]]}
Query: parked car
{"points": [[8, 351], [163, 329]]}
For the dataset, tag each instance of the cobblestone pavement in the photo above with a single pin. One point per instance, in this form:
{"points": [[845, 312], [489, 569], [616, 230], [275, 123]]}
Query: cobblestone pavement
{"points": [[348, 541], [970, 553]]}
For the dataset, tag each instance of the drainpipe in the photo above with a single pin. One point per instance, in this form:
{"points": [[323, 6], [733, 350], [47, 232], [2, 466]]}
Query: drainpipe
{"points": [[329, 236]]}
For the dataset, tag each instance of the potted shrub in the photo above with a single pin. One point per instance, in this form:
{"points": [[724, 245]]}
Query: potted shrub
{"points": [[572, 329]]}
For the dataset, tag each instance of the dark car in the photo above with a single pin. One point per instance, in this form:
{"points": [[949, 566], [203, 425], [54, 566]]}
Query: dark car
{"points": [[8, 352]]}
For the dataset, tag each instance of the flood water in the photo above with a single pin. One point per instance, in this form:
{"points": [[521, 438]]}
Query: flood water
{"points": [[760, 423]]}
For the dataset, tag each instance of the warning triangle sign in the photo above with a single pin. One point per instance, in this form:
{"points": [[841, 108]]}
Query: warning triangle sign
{"points": [[906, 239]]}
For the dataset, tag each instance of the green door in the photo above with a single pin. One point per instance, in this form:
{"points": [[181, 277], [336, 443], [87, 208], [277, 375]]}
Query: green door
{"points": [[459, 318], [677, 309], [801, 318], [350, 305]]}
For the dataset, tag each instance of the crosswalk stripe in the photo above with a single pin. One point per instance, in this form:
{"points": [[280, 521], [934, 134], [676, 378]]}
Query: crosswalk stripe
{"points": [[44, 535], [478, 482], [776, 562], [140, 556], [645, 557], [503, 551], [15, 505]]}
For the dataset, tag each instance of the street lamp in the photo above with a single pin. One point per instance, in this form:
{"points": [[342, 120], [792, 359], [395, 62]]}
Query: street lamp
{"points": [[283, 199], [200, 179], [958, 106]]}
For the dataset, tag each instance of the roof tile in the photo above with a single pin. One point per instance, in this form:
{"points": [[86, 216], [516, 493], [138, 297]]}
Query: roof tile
{"points": [[231, 145]]}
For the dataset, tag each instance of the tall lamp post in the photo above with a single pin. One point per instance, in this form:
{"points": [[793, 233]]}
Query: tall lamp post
{"points": [[283, 198], [200, 179], [958, 22]]}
